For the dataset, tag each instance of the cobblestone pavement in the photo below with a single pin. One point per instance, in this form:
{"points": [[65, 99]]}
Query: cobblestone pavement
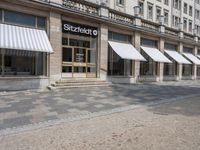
{"points": [[173, 125], [31, 107]]}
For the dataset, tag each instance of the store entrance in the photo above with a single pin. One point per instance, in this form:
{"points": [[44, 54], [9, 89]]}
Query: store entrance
{"points": [[78, 62]]}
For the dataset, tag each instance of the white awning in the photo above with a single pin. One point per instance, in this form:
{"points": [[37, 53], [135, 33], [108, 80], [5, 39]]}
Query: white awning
{"points": [[21, 38], [198, 56], [177, 57], [156, 55], [193, 58], [126, 51]]}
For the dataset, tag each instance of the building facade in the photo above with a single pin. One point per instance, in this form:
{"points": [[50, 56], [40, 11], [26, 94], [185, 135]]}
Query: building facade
{"points": [[123, 41]]}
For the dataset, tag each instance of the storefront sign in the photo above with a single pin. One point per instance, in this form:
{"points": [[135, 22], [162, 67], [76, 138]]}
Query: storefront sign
{"points": [[79, 29]]}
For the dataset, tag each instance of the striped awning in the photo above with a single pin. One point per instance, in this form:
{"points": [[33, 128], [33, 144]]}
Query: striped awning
{"points": [[21, 38]]}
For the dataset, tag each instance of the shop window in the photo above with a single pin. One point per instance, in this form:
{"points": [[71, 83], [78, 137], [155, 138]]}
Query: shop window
{"points": [[187, 70], [170, 69], [1, 15], [148, 68], [67, 55], [1, 64], [14, 64], [118, 66], [198, 70]]}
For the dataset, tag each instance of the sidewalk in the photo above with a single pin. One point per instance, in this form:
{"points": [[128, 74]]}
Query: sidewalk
{"points": [[170, 126]]}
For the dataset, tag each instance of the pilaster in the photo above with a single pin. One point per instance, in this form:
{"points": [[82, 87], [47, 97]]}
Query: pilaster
{"points": [[56, 42], [103, 51]]}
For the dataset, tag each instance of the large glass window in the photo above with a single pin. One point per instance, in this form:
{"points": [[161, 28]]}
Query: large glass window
{"points": [[148, 68], [1, 15], [198, 70], [187, 70], [170, 69], [116, 65], [23, 63]]}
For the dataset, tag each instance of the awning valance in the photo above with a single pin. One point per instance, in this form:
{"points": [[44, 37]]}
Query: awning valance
{"points": [[177, 57], [192, 58], [155, 54], [126, 51], [21, 38]]}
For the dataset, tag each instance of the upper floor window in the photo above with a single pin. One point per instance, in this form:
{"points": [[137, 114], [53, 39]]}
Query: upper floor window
{"points": [[190, 25], [149, 43], [158, 13], [176, 21], [166, 17], [169, 46], [141, 5], [185, 8], [185, 24], [197, 15], [166, 2], [177, 4], [150, 11], [18, 18], [190, 10], [120, 2], [187, 50]]}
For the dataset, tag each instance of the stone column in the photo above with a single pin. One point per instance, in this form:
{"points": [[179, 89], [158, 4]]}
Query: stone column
{"points": [[103, 51], [56, 42], [161, 65], [136, 43], [194, 66], [180, 66]]}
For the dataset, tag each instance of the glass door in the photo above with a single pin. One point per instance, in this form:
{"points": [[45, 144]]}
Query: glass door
{"points": [[78, 62], [67, 62]]}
